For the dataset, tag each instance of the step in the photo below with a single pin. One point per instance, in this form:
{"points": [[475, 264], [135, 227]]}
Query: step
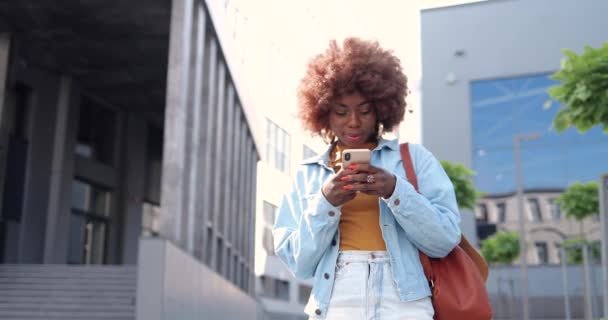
{"points": [[49, 281], [62, 293], [84, 314], [79, 299]]}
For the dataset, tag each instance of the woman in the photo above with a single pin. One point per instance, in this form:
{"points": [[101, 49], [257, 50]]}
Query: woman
{"points": [[357, 230]]}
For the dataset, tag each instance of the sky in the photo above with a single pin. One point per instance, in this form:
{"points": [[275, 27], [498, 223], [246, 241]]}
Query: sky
{"points": [[502, 108], [268, 43], [271, 41]]}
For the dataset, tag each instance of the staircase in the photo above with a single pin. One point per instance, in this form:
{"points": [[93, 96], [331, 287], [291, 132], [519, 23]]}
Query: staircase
{"points": [[67, 292]]}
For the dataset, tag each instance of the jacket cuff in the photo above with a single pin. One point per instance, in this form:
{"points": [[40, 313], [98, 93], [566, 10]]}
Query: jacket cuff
{"points": [[401, 196]]}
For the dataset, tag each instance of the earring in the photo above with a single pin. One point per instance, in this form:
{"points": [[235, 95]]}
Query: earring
{"points": [[380, 130]]}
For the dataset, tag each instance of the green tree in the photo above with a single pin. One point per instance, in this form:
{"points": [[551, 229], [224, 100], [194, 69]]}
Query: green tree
{"points": [[462, 179], [502, 247], [575, 252], [580, 200], [582, 91]]}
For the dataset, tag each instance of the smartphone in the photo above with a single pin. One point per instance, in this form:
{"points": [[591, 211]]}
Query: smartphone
{"points": [[350, 156]]}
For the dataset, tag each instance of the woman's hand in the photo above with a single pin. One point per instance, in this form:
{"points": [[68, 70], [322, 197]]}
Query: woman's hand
{"points": [[371, 180], [359, 177], [336, 189]]}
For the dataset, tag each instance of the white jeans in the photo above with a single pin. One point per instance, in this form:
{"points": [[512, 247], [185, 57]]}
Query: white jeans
{"points": [[364, 289]]}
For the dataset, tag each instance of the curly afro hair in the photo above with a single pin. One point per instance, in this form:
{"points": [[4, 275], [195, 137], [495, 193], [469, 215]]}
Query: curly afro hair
{"points": [[361, 67]]}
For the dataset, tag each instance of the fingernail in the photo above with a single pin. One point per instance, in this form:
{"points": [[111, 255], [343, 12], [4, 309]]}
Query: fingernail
{"points": [[345, 178], [347, 187]]}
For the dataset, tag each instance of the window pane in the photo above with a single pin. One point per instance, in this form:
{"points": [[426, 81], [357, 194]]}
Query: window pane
{"points": [[267, 286], [304, 293], [96, 132], [269, 213], [541, 250], [277, 146], [208, 246], [268, 241], [76, 245], [556, 212], [235, 269], [80, 195], [483, 212], [535, 209], [282, 290], [245, 279], [502, 210], [96, 246], [100, 200], [219, 255]]}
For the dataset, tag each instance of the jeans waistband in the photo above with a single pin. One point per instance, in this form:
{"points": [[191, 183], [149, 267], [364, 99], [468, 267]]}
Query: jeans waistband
{"points": [[358, 256]]}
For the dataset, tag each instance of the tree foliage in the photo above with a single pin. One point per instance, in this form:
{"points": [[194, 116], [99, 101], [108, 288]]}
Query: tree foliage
{"points": [[462, 179], [580, 200], [502, 247], [574, 250], [582, 90]]}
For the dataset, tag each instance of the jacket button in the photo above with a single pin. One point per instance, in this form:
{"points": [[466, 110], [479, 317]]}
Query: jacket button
{"points": [[318, 312], [333, 242], [331, 213], [397, 202], [326, 275]]}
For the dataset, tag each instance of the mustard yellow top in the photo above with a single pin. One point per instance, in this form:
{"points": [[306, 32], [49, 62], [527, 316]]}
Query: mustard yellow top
{"points": [[360, 219]]}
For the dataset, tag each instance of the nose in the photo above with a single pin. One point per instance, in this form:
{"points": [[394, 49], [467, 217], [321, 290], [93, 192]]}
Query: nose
{"points": [[353, 120]]}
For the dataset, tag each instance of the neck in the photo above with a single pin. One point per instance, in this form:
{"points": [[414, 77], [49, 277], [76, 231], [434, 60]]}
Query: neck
{"points": [[367, 145]]}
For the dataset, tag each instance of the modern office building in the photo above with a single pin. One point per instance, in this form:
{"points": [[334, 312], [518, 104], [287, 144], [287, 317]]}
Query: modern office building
{"points": [[128, 161], [486, 70]]}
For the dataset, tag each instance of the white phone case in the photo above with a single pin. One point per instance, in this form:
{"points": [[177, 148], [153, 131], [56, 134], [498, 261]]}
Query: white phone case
{"points": [[350, 156]]}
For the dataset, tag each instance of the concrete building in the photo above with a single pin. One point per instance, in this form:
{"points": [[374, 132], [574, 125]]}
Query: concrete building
{"points": [[128, 157], [486, 68], [547, 226]]}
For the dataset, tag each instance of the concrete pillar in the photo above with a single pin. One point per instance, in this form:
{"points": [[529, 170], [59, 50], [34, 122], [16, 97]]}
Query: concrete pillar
{"points": [[62, 172], [253, 159], [218, 153], [194, 187], [207, 149], [235, 170], [43, 124], [134, 179], [176, 113], [242, 189], [227, 171], [5, 46]]}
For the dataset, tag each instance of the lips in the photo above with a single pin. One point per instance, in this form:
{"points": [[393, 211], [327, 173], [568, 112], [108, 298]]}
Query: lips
{"points": [[353, 136]]}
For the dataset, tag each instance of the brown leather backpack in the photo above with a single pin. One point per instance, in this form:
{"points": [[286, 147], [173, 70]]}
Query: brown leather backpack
{"points": [[458, 280]]}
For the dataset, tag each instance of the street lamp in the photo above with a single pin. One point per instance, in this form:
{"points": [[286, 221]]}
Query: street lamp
{"points": [[603, 186], [517, 139]]}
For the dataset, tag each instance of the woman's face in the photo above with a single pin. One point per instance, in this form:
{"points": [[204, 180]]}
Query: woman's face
{"points": [[353, 120]]}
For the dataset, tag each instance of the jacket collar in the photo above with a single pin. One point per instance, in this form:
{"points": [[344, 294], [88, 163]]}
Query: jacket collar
{"points": [[323, 159]]}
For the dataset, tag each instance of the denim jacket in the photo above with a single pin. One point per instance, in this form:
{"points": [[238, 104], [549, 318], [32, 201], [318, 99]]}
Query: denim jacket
{"points": [[307, 236]]}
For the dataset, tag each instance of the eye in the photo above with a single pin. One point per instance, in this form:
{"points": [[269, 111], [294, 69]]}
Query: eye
{"points": [[340, 112], [366, 109]]}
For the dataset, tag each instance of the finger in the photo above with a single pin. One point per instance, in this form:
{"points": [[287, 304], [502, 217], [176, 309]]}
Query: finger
{"points": [[359, 167], [353, 178], [338, 176], [360, 187]]}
